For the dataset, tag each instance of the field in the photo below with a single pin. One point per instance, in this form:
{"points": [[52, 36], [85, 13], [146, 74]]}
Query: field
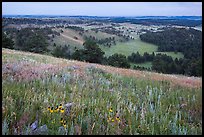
{"points": [[97, 99], [127, 48]]}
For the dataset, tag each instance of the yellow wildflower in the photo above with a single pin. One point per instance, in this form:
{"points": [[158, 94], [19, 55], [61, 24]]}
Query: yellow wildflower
{"points": [[111, 109], [64, 125], [56, 109], [118, 119], [60, 106], [62, 110], [48, 108], [51, 110], [61, 121], [109, 119]]}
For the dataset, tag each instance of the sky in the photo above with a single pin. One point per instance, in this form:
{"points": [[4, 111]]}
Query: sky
{"points": [[103, 8]]}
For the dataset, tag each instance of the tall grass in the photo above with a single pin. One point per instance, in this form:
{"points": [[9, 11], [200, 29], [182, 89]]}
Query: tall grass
{"points": [[138, 106]]}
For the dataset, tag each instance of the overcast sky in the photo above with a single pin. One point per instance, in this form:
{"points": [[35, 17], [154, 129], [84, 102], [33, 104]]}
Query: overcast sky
{"points": [[103, 8]]}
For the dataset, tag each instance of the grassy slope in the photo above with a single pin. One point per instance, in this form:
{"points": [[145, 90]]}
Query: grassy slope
{"points": [[67, 37], [32, 82]]}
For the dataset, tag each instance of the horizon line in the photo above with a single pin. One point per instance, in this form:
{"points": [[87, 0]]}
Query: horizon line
{"points": [[101, 15]]}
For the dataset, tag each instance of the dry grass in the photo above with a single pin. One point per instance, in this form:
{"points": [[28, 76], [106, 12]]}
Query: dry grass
{"points": [[52, 64]]}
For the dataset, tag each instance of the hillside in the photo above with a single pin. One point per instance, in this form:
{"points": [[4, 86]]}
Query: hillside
{"points": [[104, 99], [58, 63]]}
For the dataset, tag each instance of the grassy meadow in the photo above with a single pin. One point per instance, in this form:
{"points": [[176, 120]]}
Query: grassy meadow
{"points": [[127, 48], [104, 102]]}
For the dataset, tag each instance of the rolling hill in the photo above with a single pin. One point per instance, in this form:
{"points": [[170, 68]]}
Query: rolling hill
{"points": [[106, 100]]}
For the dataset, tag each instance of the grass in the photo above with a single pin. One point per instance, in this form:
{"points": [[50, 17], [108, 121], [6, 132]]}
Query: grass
{"points": [[67, 38], [99, 35], [127, 48], [139, 106]]}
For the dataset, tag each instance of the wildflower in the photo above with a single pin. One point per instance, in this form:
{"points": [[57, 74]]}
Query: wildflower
{"points": [[111, 109], [60, 106], [48, 108], [56, 109], [112, 120], [61, 121], [62, 110], [118, 119], [64, 125], [51, 110], [109, 119]]}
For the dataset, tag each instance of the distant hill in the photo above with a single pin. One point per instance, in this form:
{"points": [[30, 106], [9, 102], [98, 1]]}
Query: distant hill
{"points": [[190, 21]]}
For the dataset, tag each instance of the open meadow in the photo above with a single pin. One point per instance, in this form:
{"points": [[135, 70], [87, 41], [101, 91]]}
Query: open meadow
{"points": [[46, 95]]}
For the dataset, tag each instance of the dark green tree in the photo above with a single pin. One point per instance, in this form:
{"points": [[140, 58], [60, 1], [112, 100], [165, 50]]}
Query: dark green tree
{"points": [[118, 60], [92, 52], [32, 40], [7, 42], [79, 55]]}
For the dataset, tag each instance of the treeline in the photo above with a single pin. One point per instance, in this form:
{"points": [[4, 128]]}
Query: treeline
{"points": [[42, 21], [76, 28], [105, 42], [187, 41], [137, 58], [93, 54], [165, 64], [29, 39], [157, 21]]}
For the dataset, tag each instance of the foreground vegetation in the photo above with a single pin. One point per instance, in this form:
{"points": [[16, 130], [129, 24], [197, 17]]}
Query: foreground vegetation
{"points": [[102, 102]]}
